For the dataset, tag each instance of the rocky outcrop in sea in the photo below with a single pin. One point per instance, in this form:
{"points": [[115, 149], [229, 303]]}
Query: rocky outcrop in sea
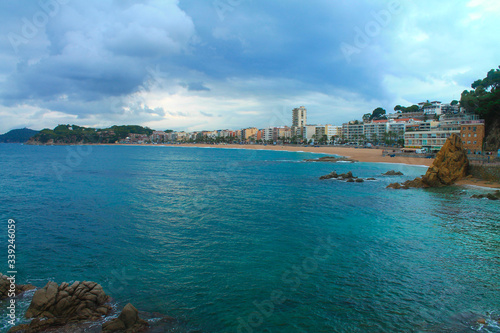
{"points": [[348, 177], [450, 165], [491, 196], [57, 305], [393, 173], [85, 307]]}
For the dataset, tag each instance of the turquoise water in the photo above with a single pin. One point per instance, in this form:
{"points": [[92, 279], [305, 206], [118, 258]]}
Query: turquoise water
{"points": [[252, 241]]}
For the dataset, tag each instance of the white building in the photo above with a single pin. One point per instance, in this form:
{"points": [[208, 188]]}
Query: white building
{"points": [[309, 132], [267, 134], [432, 108]]}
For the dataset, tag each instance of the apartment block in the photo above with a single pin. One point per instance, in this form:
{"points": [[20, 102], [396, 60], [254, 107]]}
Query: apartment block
{"points": [[333, 131], [320, 132], [267, 134], [159, 136], [352, 131], [248, 133], [309, 132], [282, 132], [299, 120], [472, 134]]}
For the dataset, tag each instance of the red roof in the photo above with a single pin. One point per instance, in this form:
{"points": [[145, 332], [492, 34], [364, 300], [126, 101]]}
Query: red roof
{"points": [[404, 119], [380, 121]]}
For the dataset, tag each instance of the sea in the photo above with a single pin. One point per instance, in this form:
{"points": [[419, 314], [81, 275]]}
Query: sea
{"points": [[235, 240]]}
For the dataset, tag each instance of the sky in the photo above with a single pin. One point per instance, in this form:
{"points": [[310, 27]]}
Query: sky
{"points": [[216, 64]]}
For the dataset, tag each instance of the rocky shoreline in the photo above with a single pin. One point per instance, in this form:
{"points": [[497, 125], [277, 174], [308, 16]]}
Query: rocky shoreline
{"points": [[82, 307]]}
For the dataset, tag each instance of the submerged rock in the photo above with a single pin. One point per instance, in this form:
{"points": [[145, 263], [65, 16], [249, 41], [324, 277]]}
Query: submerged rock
{"points": [[450, 165], [491, 196]]}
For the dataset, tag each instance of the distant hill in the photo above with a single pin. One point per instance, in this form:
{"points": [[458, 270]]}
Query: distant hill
{"points": [[18, 136], [73, 134]]}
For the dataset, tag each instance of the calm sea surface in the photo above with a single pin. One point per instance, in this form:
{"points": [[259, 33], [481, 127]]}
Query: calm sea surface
{"points": [[252, 241]]}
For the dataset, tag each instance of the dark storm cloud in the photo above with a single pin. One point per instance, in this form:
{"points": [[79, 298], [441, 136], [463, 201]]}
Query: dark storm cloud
{"points": [[91, 59]]}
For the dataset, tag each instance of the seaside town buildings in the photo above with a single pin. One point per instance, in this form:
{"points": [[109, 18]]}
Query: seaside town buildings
{"points": [[425, 128]]}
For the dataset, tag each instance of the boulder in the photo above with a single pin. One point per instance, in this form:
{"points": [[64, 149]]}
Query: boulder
{"points": [[416, 183], [128, 321], [492, 196], [5, 287], [81, 301], [450, 165], [359, 180], [393, 173], [395, 186]]}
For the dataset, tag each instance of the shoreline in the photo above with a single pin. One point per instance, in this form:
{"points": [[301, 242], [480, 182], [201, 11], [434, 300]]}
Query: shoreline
{"points": [[369, 155], [475, 182]]}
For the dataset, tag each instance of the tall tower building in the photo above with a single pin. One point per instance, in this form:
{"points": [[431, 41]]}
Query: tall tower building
{"points": [[299, 120]]}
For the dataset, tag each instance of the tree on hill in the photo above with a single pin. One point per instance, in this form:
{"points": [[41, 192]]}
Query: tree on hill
{"points": [[484, 100], [78, 134], [17, 136], [378, 113], [404, 109]]}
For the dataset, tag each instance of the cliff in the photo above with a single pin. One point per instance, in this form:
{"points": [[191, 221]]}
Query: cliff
{"points": [[450, 165]]}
